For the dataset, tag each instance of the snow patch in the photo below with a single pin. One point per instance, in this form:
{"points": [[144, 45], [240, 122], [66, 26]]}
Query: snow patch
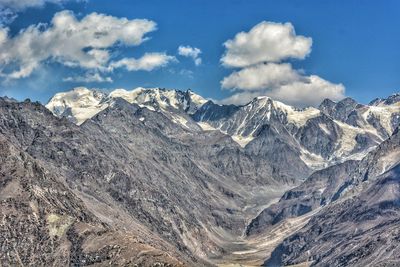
{"points": [[242, 140], [180, 120], [239, 139], [315, 162], [383, 114], [347, 142], [298, 117], [324, 128], [205, 126]]}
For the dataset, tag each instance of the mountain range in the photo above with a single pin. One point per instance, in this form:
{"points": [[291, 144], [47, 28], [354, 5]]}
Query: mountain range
{"points": [[158, 177]]}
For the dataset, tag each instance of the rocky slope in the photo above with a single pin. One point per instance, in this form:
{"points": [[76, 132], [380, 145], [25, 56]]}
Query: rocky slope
{"points": [[156, 176], [357, 217], [329, 185], [44, 223], [193, 192], [358, 231]]}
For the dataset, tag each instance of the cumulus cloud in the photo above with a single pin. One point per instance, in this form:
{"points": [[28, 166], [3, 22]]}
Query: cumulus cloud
{"points": [[261, 76], [308, 91], [89, 78], [240, 98], [84, 43], [265, 42], [148, 62], [192, 52], [260, 55], [281, 82]]}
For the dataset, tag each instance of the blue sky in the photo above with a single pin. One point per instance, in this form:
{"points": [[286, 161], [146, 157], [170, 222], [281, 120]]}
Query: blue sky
{"points": [[354, 44]]}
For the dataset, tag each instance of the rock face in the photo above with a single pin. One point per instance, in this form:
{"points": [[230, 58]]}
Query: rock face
{"points": [[358, 231], [341, 110], [319, 189], [158, 177], [358, 222], [44, 223], [329, 185], [393, 99]]}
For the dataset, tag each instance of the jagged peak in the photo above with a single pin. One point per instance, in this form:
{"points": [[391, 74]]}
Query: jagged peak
{"points": [[327, 103], [275, 104], [390, 100], [8, 99], [75, 100], [129, 95], [348, 101], [76, 93], [263, 101]]}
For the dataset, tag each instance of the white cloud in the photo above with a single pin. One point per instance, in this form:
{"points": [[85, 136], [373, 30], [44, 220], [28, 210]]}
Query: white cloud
{"points": [[240, 98], [89, 78], [18, 5], [148, 62], [259, 54], [197, 61], [192, 52], [265, 42], [281, 82], [300, 91], [81, 43], [309, 92], [261, 76], [10, 8]]}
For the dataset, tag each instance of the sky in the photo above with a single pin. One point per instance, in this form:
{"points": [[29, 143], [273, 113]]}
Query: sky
{"points": [[298, 52]]}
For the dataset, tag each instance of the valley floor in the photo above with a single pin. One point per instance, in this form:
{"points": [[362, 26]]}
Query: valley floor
{"points": [[253, 251]]}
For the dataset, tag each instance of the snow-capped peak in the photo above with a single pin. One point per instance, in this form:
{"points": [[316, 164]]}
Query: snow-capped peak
{"points": [[129, 96], [82, 103], [297, 116], [391, 100], [335, 131], [77, 105], [161, 98]]}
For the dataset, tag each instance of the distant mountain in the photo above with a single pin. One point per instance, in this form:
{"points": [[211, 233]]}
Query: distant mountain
{"points": [[393, 99], [323, 136], [157, 176], [333, 133], [81, 103]]}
